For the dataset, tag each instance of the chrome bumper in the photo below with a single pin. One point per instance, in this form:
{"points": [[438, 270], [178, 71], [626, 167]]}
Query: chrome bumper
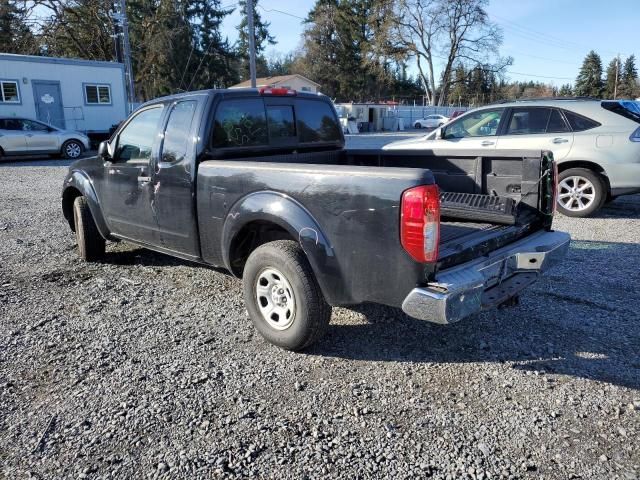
{"points": [[488, 281]]}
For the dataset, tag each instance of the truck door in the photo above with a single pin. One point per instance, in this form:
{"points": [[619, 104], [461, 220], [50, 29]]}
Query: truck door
{"points": [[126, 198], [173, 193]]}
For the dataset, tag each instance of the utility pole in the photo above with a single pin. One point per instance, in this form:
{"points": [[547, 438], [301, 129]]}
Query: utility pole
{"points": [[252, 43], [615, 86], [126, 47]]}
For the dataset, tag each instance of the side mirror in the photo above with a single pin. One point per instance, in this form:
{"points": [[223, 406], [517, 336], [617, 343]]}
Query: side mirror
{"points": [[103, 151], [439, 133]]}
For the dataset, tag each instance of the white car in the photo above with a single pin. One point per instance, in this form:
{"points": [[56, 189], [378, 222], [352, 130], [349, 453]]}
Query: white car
{"points": [[431, 121], [596, 144], [23, 136]]}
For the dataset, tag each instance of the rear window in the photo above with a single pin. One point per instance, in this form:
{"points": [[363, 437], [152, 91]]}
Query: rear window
{"points": [[240, 123], [281, 124], [579, 123], [625, 109], [316, 122]]}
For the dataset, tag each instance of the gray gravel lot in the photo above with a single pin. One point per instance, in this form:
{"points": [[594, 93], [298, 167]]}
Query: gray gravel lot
{"points": [[145, 366]]}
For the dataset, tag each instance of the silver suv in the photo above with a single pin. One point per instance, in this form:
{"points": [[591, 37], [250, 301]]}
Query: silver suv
{"points": [[596, 143], [23, 136]]}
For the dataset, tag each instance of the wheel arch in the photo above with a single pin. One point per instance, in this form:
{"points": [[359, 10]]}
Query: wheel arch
{"points": [[593, 166], [265, 216], [77, 184]]}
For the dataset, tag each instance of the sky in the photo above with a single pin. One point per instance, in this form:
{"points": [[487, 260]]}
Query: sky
{"points": [[548, 39]]}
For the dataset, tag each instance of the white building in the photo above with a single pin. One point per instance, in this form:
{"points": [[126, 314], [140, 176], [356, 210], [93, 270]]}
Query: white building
{"points": [[83, 95], [292, 82]]}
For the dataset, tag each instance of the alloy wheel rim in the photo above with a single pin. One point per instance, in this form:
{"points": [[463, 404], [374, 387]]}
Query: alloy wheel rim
{"points": [[275, 297], [576, 193], [73, 150]]}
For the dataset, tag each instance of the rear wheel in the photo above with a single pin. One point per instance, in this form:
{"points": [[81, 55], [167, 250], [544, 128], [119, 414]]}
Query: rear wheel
{"points": [[72, 149], [91, 245], [580, 192], [417, 125], [282, 296]]}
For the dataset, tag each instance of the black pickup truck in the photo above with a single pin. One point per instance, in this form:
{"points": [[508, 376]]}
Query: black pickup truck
{"points": [[259, 182]]}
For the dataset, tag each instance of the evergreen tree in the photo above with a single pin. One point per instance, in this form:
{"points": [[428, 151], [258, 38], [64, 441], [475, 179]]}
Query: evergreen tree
{"points": [[589, 80], [15, 36], [262, 39], [566, 90], [215, 57], [629, 84], [613, 78], [459, 91]]}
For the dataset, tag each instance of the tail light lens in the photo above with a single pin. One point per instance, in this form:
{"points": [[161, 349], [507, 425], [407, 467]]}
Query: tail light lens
{"points": [[420, 223]]}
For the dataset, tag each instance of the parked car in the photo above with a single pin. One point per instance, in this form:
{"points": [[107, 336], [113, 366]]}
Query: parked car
{"points": [[258, 182], [595, 143], [431, 121], [23, 136]]}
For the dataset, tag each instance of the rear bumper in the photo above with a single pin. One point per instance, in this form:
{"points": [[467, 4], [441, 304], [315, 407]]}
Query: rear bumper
{"points": [[488, 281]]}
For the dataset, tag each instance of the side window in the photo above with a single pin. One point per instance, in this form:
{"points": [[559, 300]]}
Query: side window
{"points": [[478, 124], [578, 122], [176, 135], [135, 141], [316, 122], [11, 124], [557, 123], [31, 126], [240, 123], [528, 121], [280, 120]]}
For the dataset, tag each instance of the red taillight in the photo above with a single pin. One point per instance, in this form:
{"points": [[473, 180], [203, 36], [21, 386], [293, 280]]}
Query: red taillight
{"points": [[281, 92], [420, 223], [554, 191]]}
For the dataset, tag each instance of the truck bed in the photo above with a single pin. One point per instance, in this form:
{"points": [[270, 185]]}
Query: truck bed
{"points": [[488, 198]]}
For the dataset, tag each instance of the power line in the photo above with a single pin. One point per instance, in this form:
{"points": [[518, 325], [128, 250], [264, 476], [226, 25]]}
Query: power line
{"points": [[539, 76], [280, 11], [542, 37]]}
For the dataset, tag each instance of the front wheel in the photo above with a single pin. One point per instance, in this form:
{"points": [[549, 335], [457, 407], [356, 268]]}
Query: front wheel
{"points": [[72, 149], [417, 125], [282, 296], [580, 192], [91, 245]]}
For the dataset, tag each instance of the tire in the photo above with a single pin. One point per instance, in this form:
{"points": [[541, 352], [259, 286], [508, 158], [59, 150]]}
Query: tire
{"points": [[91, 245], [72, 149], [282, 296], [589, 197], [417, 125]]}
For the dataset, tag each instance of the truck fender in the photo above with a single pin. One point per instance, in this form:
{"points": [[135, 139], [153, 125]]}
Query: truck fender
{"points": [[284, 211], [78, 182]]}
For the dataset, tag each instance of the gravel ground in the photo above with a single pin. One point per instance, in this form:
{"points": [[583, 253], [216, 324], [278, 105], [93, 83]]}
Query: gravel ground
{"points": [[145, 367]]}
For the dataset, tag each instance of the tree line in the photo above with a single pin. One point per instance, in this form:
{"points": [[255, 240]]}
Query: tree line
{"points": [[357, 50]]}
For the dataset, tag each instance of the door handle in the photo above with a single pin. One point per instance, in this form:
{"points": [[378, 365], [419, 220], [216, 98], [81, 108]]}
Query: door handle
{"points": [[487, 143], [560, 140], [144, 179]]}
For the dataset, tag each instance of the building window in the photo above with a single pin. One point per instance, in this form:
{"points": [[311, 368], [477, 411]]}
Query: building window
{"points": [[97, 94], [306, 89], [9, 92]]}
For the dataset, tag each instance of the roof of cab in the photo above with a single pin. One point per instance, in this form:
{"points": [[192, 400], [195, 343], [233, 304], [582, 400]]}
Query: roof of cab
{"points": [[222, 91]]}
